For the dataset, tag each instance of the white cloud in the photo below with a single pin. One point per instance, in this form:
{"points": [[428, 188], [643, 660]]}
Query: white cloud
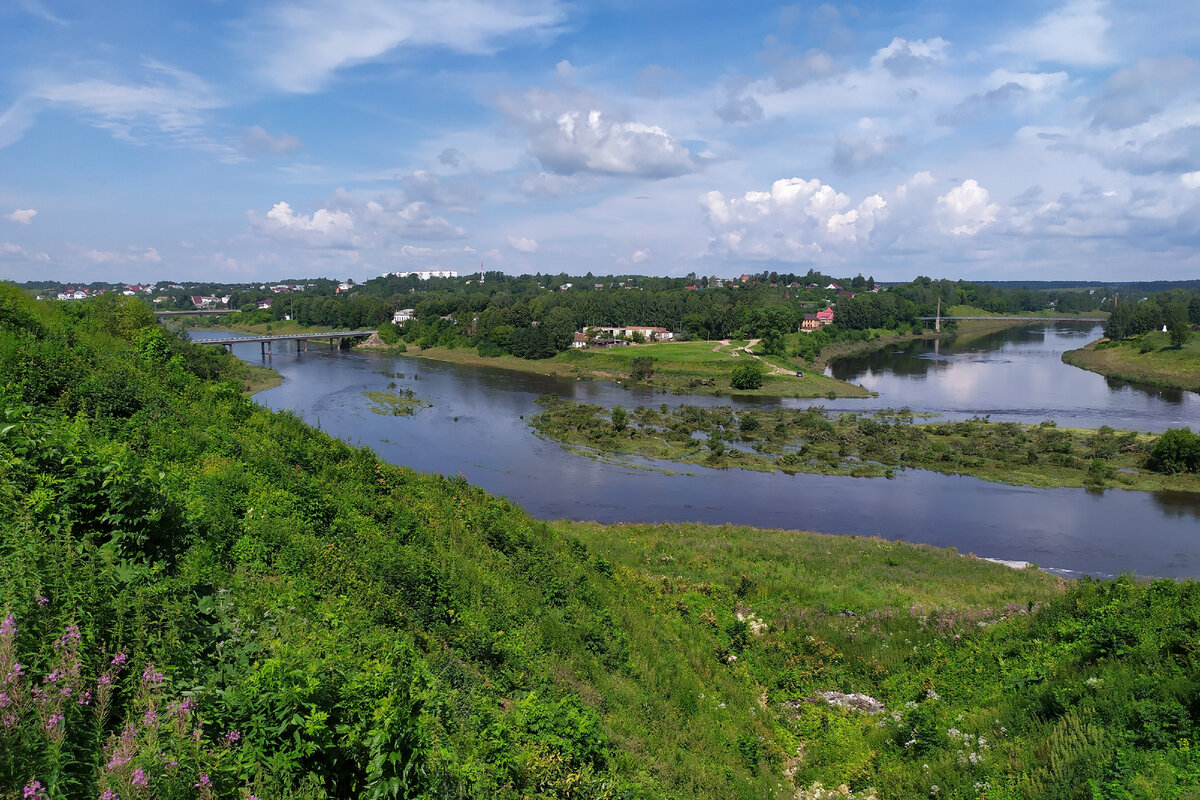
{"points": [[1138, 92], [546, 184], [966, 209], [257, 140], [1073, 34], [903, 58], [12, 252], [347, 223], [523, 245], [639, 256], [22, 215], [796, 220], [15, 121], [170, 103], [324, 228], [1190, 180], [299, 45], [869, 144], [131, 255], [567, 139]]}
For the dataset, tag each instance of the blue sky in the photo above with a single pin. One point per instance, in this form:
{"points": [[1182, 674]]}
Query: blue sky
{"points": [[250, 141]]}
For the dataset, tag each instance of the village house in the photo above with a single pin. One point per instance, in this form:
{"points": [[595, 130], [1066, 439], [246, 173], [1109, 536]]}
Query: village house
{"points": [[580, 340], [825, 316], [650, 333], [810, 322], [403, 315]]}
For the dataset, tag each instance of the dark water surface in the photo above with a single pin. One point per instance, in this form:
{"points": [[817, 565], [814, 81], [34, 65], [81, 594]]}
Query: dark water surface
{"points": [[475, 427]]}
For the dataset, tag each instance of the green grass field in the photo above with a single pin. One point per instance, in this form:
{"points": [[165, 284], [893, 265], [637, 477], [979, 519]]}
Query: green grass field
{"points": [[683, 367], [1159, 364]]}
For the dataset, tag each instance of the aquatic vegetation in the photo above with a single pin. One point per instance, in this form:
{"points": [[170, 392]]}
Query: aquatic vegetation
{"points": [[864, 445]]}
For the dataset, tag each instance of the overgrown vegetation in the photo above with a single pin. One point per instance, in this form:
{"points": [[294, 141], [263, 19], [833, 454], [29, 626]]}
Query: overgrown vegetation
{"points": [[203, 599], [1039, 690], [867, 445], [397, 404]]}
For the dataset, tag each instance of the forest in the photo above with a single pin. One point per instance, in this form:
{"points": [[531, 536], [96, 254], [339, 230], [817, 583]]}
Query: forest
{"points": [[535, 316], [200, 598]]}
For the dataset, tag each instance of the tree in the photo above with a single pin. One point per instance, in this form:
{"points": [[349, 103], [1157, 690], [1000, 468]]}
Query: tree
{"points": [[620, 417], [1179, 325], [1176, 450], [642, 368], [747, 374]]}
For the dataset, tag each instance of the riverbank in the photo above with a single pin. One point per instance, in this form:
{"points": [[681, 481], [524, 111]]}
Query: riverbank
{"points": [[1149, 359], [257, 379], [678, 367], [858, 445]]}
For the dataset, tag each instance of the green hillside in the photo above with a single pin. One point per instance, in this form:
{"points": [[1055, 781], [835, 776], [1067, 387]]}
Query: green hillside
{"points": [[201, 598]]}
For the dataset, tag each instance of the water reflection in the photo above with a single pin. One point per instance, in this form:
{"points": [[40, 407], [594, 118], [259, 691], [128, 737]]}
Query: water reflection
{"points": [[1013, 374]]}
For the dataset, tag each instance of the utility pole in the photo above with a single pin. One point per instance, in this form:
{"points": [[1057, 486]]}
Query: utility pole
{"points": [[937, 325]]}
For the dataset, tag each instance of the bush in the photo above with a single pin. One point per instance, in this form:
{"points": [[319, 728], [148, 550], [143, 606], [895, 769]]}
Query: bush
{"points": [[642, 368], [747, 375], [1176, 450]]}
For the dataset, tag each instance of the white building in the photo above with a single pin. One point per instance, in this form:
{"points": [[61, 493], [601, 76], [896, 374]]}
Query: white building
{"points": [[402, 316], [424, 274]]}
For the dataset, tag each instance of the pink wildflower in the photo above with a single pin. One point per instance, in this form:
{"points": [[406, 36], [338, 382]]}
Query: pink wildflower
{"points": [[204, 781], [34, 791], [42, 601], [151, 676], [139, 778]]}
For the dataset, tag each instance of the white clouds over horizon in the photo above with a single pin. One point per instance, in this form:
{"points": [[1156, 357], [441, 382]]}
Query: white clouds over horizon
{"points": [[371, 132]]}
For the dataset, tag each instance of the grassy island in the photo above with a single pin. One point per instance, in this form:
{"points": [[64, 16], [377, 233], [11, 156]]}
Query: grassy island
{"points": [[1147, 359], [862, 445], [678, 367], [201, 598]]}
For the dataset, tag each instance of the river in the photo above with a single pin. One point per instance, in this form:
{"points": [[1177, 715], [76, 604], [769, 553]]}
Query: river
{"points": [[475, 427]]}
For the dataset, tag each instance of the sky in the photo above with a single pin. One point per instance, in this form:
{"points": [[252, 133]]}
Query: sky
{"points": [[251, 141]]}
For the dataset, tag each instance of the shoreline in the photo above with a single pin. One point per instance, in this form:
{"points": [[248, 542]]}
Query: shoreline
{"points": [[1163, 368]]}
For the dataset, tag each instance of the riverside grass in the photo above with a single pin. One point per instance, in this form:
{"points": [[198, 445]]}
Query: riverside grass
{"points": [[348, 628], [679, 367], [861, 445], [1148, 359]]}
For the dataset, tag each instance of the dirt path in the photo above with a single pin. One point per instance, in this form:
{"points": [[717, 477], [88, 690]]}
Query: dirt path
{"points": [[722, 343], [771, 368]]}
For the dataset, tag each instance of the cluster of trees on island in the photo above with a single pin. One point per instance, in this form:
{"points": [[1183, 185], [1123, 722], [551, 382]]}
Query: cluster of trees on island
{"points": [[1176, 309]]}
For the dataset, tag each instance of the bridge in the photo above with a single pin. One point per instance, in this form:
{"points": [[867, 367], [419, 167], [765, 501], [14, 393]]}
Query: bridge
{"points": [[266, 341]]}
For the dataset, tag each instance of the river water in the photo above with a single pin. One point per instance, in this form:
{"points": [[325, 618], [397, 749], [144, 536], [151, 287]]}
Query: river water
{"points": [[476, 426]]}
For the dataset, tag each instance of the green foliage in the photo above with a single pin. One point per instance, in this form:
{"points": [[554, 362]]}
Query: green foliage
{"points": [[1176, 450], [301, 620], [641, 368], [747, 374]]}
